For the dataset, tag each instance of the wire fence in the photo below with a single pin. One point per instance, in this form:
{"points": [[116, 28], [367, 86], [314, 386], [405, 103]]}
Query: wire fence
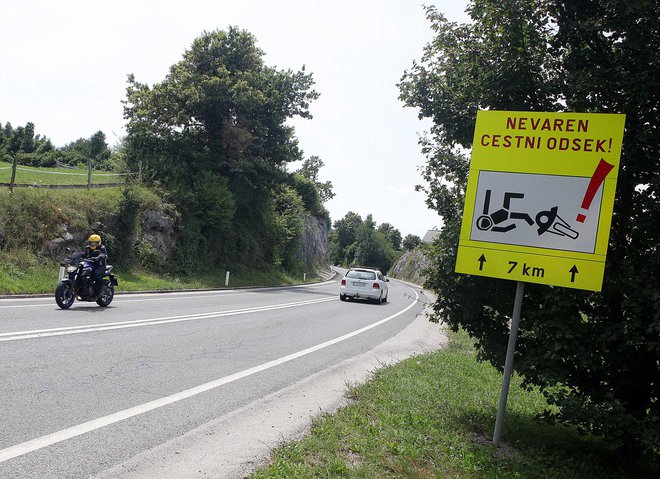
{"points": [[31, 178]]}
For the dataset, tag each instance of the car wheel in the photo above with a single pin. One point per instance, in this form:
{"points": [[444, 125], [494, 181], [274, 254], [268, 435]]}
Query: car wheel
{"points": [[383, 300], [342, 297]]}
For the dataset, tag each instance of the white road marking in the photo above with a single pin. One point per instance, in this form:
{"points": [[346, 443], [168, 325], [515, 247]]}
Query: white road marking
{"points": [[89, 328], [139, 297], [74, 431]]}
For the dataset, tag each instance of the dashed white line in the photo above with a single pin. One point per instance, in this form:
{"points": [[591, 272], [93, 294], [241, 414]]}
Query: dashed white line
{"points": [[89, 328]]}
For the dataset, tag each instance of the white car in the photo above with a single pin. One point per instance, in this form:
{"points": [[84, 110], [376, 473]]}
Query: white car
{"points": [[366, 283]]}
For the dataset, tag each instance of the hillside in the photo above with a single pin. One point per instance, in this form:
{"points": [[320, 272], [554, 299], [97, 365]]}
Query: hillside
{"points": [[143, 234]]}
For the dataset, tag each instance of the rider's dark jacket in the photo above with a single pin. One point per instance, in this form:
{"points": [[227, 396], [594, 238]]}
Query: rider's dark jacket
{"points": [[98, 255]]}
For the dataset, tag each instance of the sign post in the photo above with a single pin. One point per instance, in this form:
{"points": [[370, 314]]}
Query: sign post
{"points": [[538, 204]]}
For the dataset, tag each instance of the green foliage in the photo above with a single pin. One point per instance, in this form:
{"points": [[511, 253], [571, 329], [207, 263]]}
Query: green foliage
{"points": [[288, 226], [595, 355], [219, 109], [373, 248], [134, 200], [38, 151], [311, 196], [410, 242], [214, 132], [355, 242], [310, 170], [82, 150], [343, 237], [392, 234]]}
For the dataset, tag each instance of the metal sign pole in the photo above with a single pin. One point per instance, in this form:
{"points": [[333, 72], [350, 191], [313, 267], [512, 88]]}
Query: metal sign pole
{"points": [[508, 364]]}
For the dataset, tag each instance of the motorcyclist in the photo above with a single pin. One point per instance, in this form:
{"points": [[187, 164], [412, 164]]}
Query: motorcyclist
{"points": [[96, 253]]}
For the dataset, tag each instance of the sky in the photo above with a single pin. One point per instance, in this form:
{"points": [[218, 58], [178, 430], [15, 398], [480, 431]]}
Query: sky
{"points": [[64, 68]]}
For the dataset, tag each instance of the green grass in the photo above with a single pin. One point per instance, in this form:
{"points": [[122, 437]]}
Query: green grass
{"points": [[432, 416], [31, 217], [142, 281], [28, 175], [25, 273]]}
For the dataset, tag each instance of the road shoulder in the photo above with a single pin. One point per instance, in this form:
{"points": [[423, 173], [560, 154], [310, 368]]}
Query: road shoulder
{"points": [[235, 444]]}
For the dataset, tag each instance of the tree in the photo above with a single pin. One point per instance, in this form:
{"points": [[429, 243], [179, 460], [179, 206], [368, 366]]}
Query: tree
{"points": [[27, 142], [392, 234], [310, 170], [343, 237], [411, 242], [98, 150], [357, 242], [372, 248], [221, 112], [219, 109], [593, 354]]}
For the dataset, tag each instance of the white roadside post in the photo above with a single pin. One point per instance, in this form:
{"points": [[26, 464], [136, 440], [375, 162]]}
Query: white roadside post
{"points": [[227, 279]]}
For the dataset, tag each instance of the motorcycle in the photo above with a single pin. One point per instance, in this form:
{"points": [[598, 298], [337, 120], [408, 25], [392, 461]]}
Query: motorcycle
{"points": [[76, 282]]}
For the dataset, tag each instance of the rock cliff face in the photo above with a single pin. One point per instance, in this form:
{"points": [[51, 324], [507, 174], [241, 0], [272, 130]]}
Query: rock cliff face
{"points": [[159, 230], [156, 228], [411, 266], [314, 245]]}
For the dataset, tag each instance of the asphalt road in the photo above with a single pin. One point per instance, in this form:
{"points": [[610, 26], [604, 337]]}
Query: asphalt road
{"points": [[125, 390]]}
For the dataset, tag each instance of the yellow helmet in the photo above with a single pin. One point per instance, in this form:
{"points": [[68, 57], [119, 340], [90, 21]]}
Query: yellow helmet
{"points": [[94, 241]]}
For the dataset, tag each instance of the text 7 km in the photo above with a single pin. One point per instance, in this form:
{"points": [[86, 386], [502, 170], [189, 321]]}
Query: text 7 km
{"points": [[527, 270]]}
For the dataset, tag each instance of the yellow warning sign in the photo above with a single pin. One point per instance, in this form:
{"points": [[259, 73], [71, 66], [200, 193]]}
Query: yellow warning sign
{"points": [[540, 195]]}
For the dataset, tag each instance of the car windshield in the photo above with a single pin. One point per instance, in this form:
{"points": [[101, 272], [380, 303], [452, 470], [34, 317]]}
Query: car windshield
{"points": [[368, 275]]}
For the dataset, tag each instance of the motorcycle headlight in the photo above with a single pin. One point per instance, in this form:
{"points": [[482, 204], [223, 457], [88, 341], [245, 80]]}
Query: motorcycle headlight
{"points": [[71, 269]]}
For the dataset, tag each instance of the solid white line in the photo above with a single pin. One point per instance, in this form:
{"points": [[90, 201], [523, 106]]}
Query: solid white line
{"points": [[133, 298], [89, 328], [71, 432]]}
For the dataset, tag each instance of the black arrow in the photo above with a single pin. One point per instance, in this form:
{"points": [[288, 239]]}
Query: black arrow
{"points": [[573, 272], [482, 260]]}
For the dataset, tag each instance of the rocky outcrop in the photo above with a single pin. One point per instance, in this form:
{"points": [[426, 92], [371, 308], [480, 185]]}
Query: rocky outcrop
{"points": [[69, 238], [158, 229], [411, 267], [314, 245]]}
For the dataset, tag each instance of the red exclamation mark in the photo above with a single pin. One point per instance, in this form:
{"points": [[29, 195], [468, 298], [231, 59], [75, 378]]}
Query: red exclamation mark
{"points": [[597, 179]]}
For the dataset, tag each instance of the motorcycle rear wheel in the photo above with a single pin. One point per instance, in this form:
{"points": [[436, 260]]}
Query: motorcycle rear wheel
{"points": [[108, 295], [64, 296]]}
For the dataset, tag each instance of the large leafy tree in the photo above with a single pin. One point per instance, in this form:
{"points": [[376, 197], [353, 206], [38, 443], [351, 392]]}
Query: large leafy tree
{"points": [[221, 113], [219, 109], [595, 355]]}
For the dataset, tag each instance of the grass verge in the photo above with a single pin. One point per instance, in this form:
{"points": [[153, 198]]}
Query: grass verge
{"points": [[25, 273], [28, 175], [432, 417]]}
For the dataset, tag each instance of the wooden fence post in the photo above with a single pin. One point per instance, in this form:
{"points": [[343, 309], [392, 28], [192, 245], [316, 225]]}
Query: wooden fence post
{"points": [[13, 173]]}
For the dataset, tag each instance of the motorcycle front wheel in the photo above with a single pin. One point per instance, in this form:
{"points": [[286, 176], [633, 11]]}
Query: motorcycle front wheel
{"points": [[108, 294], [64, 296]]}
